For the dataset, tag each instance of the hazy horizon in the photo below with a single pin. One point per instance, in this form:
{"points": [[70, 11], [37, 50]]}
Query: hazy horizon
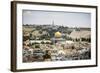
{"points": [[70, 19]]}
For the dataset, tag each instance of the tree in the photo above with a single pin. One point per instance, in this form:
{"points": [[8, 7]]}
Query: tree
{"points": [[25, 38], [37, 46], [42, 42]]}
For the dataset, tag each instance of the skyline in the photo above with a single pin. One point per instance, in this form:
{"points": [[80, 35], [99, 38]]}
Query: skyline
{"points": [[70, 19]]}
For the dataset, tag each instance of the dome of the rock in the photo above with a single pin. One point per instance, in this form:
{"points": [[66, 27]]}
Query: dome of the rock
{"points": [[58, 34]]}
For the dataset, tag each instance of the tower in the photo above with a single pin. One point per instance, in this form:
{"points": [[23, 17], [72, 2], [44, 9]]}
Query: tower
{"points": [[53, 23]]}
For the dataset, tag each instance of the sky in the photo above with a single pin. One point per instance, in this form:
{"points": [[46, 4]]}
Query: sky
{"points": [[70, 19]]}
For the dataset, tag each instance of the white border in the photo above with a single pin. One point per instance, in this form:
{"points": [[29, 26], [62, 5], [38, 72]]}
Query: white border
{"points": [[21, 65]]}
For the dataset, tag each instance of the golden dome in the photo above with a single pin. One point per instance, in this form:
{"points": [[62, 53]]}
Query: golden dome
{"points": [[58, 34]]}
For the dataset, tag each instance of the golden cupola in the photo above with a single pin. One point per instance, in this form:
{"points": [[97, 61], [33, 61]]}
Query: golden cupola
{"points": [[58, 34]]}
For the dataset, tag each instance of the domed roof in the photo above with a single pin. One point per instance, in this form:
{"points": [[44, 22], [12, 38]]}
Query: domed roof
{"points": [[58, 34]]}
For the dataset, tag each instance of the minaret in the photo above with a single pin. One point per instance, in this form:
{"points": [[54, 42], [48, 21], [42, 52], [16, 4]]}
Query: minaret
{"points": [[62, 28], [52, 23]]}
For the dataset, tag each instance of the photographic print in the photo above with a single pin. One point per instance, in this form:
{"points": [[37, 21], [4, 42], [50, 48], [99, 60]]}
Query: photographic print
{"points": [[53, 36], [56, 36]]}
